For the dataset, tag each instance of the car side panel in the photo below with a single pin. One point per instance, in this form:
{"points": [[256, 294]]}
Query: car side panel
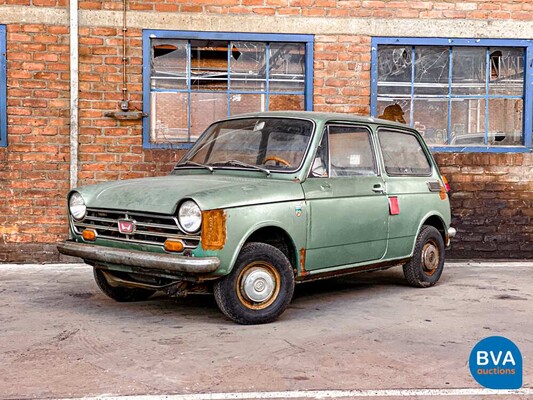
{"points": [[416, 203], [242, 222]]}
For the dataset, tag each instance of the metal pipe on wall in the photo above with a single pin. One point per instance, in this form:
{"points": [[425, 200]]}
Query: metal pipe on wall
{"points": [[74, 89], [124, 106]]}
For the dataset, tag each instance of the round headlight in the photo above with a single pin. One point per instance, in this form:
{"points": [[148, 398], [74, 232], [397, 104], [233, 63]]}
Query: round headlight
{"points": [[77, 206], [190, 216]]}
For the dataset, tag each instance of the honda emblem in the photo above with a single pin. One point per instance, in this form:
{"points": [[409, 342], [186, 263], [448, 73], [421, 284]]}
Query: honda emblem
{"points": [[126, 226]]}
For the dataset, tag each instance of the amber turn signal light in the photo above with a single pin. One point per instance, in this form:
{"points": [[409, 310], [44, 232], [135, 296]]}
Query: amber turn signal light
{"points": [[213, 229], [89, 235], [446, 184], [174, 245]]}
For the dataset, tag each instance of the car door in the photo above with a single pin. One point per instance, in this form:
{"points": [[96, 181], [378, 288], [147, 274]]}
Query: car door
{"points": [[347, 202]]}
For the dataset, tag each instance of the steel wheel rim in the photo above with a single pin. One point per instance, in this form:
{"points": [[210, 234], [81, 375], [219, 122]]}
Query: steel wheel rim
{"points": [[258, 285], [430, 258]]}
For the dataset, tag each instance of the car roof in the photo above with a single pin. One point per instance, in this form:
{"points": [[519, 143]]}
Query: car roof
{"points": [[323, 116]]}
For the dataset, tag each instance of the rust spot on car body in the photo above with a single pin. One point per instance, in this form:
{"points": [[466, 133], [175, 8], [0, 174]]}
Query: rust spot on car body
{"points": [[302, 262], [213, 230]]}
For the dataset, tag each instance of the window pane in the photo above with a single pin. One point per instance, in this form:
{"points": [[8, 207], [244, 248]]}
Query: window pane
{"points": [[287, 67], [506, 71], [248, 69], [392, 110], [394, 70], [206, 108], [431, 119], [246, 103], [350, 152], [468, 122], [168, 117], [469, 70], [209, 65], [282, 102], [432, 65], [169, 64], [505, 122], [403, 154]]}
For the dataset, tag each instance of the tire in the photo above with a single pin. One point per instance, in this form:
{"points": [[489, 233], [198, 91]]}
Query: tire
{"points": [[120, 294], [427, 264], [259, 288]]}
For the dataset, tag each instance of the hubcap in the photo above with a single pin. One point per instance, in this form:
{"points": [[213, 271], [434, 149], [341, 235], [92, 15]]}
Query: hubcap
{"points": [[258, 285], [430, 258]]}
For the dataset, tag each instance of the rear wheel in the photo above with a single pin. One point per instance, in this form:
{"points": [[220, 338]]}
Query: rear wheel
{"points": [[118, 293], [259, 288], [425, 268]]}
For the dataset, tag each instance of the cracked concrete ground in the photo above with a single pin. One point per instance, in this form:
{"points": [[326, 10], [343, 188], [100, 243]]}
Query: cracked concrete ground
{"points": [[60, 337]]}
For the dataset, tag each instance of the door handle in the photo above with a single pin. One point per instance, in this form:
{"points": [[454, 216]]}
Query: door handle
{"points": [[379, 188]]}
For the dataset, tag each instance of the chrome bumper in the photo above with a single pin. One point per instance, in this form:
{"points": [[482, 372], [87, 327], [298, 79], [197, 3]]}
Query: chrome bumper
{"points": [[451, 234], [140, 259]]}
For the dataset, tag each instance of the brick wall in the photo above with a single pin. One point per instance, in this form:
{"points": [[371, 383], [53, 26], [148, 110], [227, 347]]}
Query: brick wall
{"points": [[492, 203], [492, 193], [34, 168]]}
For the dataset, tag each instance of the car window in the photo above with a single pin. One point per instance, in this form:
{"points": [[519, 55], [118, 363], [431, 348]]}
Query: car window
{"points": [[350, 151], [403, 153], [319, 169], [278, 144]]}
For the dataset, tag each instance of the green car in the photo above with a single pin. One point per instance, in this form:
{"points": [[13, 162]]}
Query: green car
{"points": [[262, 202]]}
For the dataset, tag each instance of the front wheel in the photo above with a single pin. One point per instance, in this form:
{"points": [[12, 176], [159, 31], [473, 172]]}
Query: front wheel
{"points": [[425, 268], [120, 294], [259, 288]]}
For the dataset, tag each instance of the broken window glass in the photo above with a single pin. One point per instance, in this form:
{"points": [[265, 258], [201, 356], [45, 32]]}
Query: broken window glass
{"points": [[394, 71], [169, 64], [432, 66], [209, 65], [248, 66], [286, 67], [507, 71], [194, 82], [458, 95]]}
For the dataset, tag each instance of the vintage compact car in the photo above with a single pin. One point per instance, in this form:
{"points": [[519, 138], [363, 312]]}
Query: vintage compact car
{"points": [[262, 202]]}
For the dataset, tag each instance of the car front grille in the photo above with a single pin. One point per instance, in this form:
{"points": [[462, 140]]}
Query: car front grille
{"points": [[151, 229]]}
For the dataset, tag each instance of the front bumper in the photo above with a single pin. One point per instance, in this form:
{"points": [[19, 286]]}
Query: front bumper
{"points": [[140, 259]]}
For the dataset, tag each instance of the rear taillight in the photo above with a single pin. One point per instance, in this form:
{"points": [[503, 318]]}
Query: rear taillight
{"points": [[446, 184]]}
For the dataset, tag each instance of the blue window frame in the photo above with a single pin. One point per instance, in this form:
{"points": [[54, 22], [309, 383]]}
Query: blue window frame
{"points": [[3, 86], [464, 95], [191, 79]]}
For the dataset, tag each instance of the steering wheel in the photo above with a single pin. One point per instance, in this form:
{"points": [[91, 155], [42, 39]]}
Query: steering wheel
{"points": [[278, 160]]}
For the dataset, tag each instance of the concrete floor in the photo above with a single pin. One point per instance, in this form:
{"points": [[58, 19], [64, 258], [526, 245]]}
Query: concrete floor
{"points": [[60, 337]]}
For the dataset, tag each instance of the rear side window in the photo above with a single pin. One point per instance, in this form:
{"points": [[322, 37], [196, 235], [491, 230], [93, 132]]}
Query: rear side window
{"points": [[403, 154]]}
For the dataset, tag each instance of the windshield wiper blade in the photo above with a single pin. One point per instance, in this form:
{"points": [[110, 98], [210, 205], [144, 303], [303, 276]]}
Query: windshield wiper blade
{"points": [[243, 164], [189, 162]]}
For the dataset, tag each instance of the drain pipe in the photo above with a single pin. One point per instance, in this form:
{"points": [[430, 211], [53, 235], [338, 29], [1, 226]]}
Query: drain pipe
{"points": [[125, 104], [125, 112], [74, 89]]}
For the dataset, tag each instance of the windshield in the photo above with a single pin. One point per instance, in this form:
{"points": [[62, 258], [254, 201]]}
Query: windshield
{"points": [[266, 144]]}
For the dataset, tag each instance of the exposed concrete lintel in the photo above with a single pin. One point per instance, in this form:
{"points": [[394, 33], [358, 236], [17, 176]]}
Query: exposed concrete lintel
{"points": [[277, 24], [33, 15]]}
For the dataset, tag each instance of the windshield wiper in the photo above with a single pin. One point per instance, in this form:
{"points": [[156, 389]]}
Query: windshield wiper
{"points": [[189, 162], [243, 164]]}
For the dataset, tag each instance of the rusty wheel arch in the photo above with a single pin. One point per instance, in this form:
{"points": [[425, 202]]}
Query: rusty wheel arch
{"points": [[438, 224], [278, 238]]}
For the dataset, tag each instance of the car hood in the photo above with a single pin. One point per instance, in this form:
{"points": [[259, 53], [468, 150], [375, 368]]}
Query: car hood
{"points": [[163, 194]]}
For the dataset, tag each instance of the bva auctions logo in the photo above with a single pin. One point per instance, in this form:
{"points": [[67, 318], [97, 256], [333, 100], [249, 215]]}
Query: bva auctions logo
{"points": [[496, 363]]}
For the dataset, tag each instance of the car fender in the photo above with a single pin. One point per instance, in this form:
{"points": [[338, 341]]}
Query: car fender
{"points": [[430, 215], [242, 223]]}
